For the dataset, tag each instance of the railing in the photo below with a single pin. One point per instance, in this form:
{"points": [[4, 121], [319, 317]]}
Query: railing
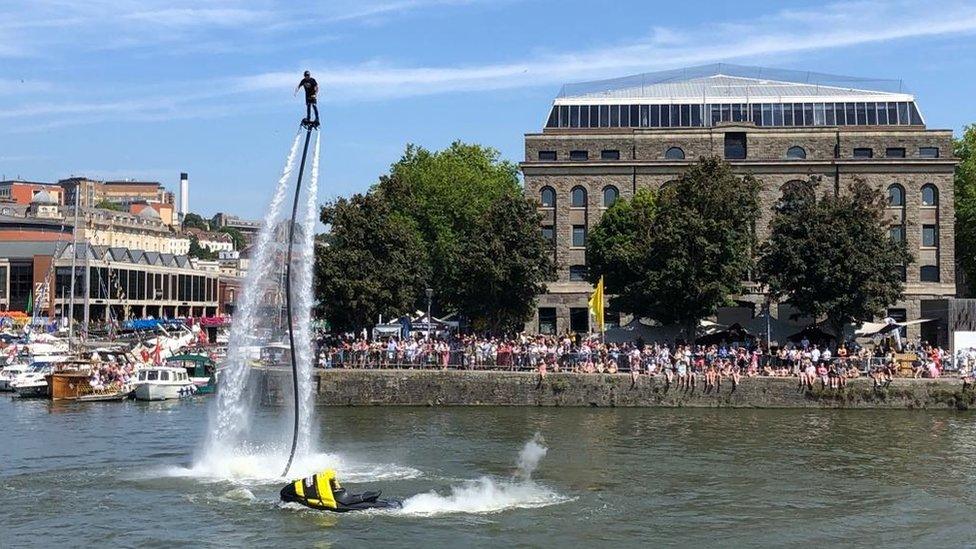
{"points": [[510, 361]]}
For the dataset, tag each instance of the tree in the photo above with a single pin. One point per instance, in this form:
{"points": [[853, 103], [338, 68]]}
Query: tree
{"points": [[236, 236], [375, 264], [198, 251], [691, 256], [454, 221], [965, 201], [831, 256], [444, 192], [109, 205], [617, 245], [504, 264], [195, 221]]}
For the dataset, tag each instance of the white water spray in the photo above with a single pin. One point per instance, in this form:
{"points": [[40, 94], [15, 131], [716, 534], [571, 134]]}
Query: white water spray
{"points": [[492, 495], [258, 321]]}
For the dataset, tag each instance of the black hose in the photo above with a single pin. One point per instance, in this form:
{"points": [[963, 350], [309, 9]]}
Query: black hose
{"points": [[291, 330]]}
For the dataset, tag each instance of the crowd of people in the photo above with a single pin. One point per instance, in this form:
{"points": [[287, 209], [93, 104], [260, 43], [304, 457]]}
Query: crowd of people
{"points": [[110, 376], [685, 365]]}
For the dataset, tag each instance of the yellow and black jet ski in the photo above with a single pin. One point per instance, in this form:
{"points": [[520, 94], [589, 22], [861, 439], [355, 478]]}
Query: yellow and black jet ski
{"points": [[322, 491]]}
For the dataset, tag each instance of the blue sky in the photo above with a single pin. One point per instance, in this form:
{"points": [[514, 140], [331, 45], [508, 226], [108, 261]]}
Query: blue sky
{"points": [[147, 89]]}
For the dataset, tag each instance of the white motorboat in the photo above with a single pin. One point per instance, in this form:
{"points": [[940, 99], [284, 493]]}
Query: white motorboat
{"points": [[163, 383], [9, 373], [32, 383]]}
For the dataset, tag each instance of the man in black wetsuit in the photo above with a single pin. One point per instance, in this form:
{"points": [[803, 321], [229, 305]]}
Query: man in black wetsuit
{"points": [[311, 88]]}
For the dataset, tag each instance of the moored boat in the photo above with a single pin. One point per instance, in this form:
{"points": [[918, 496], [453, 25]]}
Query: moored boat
{"points": [[163, 383]]}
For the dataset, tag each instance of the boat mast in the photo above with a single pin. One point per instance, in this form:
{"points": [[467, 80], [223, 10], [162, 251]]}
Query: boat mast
{"points": [[74, 262]]}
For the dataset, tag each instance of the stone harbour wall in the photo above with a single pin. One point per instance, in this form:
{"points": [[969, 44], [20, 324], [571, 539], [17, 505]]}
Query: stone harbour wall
{"points": [[474, 388]]}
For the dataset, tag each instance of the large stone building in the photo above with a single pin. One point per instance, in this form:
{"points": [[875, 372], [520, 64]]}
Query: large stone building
{"points": [[604, 140]]}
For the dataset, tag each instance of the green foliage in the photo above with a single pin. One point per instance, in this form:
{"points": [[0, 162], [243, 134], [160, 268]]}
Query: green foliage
{"points": [[195, 221], [236, 237], [198, 251], [965, 202], [375, 264], [832, 255], [464, 227], [678, 257], [504, 263], [109, 205], [617, 246]]}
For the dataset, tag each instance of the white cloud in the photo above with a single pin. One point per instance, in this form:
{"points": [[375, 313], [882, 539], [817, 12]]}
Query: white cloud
{"points": [[786, 32]]}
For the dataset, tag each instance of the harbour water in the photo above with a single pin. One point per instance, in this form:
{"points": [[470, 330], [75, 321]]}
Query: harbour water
{"points": [[123, 475]]}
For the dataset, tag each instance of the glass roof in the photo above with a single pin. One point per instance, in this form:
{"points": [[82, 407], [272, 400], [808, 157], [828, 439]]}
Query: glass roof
{"points": [[727, 83]]}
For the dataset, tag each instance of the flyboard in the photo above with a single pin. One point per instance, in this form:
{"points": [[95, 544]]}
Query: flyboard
{"points": [[322, 490]]}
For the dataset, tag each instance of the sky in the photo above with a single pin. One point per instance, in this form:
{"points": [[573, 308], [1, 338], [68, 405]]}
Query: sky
{"points": [[151, 88]]}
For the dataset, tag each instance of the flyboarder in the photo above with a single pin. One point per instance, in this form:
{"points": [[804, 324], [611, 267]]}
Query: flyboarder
{"points": [[311, 88]]}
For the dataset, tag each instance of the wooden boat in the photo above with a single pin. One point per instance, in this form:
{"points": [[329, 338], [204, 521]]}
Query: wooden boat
{"points": [[69, 380]]}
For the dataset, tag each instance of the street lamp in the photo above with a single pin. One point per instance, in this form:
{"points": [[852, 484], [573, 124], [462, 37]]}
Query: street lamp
{"points": [[430, 296]]}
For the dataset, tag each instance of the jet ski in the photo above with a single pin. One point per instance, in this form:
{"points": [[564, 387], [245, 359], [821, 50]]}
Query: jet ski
{"points": [[322, 491]]}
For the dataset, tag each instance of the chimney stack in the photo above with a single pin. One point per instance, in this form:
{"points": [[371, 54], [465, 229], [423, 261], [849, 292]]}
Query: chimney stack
{"points": [[184, 200]]}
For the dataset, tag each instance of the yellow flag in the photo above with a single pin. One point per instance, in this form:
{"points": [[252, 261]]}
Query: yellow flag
{"points": [[596, 305]]}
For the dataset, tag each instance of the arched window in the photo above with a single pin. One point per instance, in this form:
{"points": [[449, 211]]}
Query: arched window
{"points": [[896, 196], [610, 195], [578, 197], [928, 273], [796, 153], [548, 197], [674, 153], [930, 195]]}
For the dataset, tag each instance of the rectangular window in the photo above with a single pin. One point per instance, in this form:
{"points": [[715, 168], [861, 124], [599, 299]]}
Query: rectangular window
{"points": [[735, 145], [610, 155], [577, 273], [895, 152], [574, 116], [726, 112], [928, 152], [604, 116], [757, 114], [549, 234], [547, 320], [665, 116], [807, 114], [579, 155], [851, 118], [882, 114], [553, 118], [675, 115], [897, 233], [584, 117], [863, 152], [788, 114], [892, 109], [777, 114], [916, 117], [872, 114], [928, 273], [547, 156], [818, 114], [861, 114], [829, 118], [930, 236], [767, 115], [634, 116], [579, 319], [696, 115], [655, 114], [624, 116], [579, 236], [716, 114], [614, 116], [903, 113], [644, 116], [563, 116], [798, 119], [594, 116], [685, 115]]}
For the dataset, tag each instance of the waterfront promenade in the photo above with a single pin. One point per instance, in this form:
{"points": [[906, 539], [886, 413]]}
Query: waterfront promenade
{"points": [[340, 387]]}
